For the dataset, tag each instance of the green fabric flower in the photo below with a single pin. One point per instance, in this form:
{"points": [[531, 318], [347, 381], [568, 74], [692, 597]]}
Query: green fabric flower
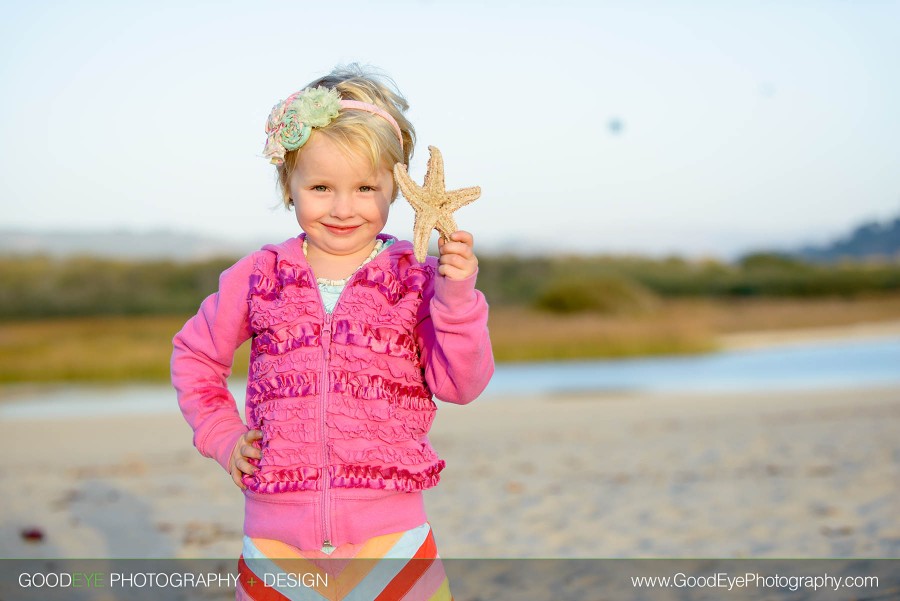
{"points": [[294, 131], [318, 106]]}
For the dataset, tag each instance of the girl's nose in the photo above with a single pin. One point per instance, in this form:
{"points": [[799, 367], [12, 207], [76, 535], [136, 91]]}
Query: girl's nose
{"points": [[342, 207]]}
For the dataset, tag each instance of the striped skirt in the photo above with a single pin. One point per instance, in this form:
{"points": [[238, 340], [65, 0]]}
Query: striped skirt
{"points": [[404, 566]]}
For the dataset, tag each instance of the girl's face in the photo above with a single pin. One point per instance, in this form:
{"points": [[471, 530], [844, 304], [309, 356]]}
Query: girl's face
{"points": [[339, 201]]}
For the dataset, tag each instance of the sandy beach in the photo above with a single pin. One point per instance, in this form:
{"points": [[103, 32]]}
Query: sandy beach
{"points": [[799, 336], [797, 474]]}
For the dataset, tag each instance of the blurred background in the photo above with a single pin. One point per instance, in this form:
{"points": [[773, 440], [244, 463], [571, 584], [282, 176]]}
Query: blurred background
{"points": [[690, 213]]}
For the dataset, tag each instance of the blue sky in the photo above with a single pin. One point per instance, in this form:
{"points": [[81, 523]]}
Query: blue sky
{"points": [[744, 124]]}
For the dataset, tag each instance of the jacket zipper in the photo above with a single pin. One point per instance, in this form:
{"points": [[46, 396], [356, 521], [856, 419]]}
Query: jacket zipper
{"points": [[327, 547]]}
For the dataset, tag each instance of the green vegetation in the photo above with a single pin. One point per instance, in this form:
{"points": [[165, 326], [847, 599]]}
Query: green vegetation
{"points": [[607, 294], [87, 319], [524, 282], [35, 287], [42, 287]]}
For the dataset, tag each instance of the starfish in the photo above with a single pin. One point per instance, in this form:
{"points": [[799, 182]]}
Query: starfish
{"points": [[432, 202]]}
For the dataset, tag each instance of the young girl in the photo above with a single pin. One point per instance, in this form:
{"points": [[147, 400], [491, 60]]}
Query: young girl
{"points": [[351, 337]]}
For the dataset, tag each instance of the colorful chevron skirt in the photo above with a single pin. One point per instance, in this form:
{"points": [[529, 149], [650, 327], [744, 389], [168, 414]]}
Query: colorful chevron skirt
{"points": [[395, 567]]}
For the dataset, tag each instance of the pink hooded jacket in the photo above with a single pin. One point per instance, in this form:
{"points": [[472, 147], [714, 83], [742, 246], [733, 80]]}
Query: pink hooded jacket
{"points": [[344, 400]]}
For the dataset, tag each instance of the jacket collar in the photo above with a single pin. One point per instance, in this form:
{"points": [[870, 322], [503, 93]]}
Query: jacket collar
{"points": [[292, 248]]}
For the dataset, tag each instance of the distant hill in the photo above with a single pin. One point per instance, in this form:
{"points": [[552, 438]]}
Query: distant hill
{"points": [[122, 244], [871, 240]]}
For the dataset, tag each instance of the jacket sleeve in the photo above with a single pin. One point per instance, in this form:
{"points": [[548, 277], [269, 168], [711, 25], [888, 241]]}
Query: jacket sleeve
{"points": [[202, 359], [453, 339]]}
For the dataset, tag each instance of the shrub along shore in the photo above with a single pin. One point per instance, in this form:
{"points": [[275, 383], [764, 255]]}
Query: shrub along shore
{"points": [[36, 286], [89, 319]]}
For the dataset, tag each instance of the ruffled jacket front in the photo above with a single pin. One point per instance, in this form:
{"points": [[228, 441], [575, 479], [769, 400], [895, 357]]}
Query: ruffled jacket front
{"points": [[344, 400]]}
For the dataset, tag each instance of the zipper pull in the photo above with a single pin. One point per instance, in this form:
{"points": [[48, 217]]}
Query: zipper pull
{"points": [[327, 547]]}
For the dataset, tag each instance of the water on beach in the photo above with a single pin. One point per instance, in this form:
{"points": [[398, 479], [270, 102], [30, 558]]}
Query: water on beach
{"points": [[812, 366]]}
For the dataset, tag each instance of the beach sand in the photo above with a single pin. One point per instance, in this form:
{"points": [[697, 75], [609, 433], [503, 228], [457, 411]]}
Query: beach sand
{"points": [[761, 339], [789, 474]]}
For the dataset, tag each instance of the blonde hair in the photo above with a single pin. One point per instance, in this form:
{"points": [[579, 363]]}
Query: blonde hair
{"points": [[360, 132]]}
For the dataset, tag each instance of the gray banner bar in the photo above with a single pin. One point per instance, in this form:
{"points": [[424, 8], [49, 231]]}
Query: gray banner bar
{"points": [[475, 579]]}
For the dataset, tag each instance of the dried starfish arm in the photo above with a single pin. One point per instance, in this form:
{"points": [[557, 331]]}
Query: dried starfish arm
{"points": [[412, 191], [432, 202], [421, 236], [434, 174], [446, 224]]}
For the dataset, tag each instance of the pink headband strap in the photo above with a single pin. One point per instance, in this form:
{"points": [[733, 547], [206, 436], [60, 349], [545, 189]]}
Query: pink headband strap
{"points": [[375, 110]]}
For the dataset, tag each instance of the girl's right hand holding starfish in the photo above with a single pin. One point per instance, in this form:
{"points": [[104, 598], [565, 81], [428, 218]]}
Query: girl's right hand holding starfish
{"points": [[243, 449]]}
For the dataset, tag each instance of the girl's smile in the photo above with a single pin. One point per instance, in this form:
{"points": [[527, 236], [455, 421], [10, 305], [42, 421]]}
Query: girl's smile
{"points": [[335, 229]]}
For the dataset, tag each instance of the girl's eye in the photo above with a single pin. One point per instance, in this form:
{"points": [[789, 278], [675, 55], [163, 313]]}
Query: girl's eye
{"points": [[366, 189], [320, 188]]}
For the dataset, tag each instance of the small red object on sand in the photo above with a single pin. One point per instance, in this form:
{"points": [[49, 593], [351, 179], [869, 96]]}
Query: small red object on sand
{"points": [[32, 535]]}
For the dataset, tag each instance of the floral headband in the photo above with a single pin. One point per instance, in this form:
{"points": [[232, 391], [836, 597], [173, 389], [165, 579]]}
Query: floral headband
{"points": [[291, 120]]}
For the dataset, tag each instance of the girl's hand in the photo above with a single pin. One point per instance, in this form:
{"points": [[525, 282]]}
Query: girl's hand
{"points": [[458, 260], [243, 449]]}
